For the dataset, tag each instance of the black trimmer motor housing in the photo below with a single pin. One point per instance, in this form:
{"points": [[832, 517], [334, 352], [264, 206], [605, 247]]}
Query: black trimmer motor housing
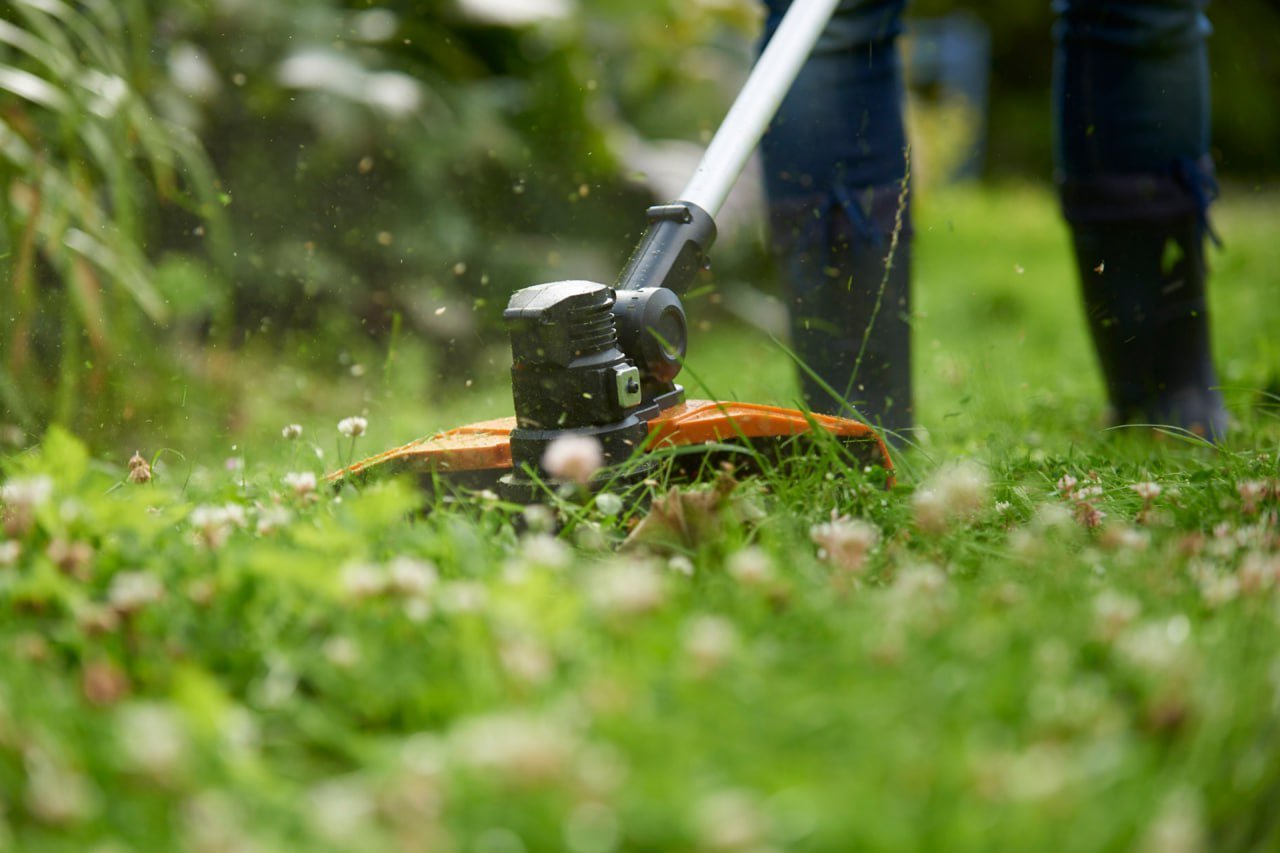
{"points": [[594, 360]]}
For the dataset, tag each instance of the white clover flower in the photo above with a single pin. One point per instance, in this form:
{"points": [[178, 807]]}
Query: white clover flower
{"points": [[1113, 612], [526, 660], [462, 597], [608, 503], [627, 589], [213, 523], [539, 518], [418, 610], [1067, 485], [97, 619], [411, 577], [931, 511], [1219, 589], [131, 591], [1157, 647], [955, 492], [236, 515], [10, 551], [573, 458], [353, 426], [27, 492], [1251, 490], [341, 651], [1051, 516], [545, 551], [1258, 571], [709, 641], [363, 580], [341, 810], [732, 820], [57, 795], [202, 590], [1147, 491], [292, 431], [1178, 827], [590, 536], [602, 769], [844, 542], [151, 739], [921, 580], [1125, 538], [1089, 515], [517, 748], [681, 565], [1225, 542], [213, 821], [967, 486], [73, 558], [271, 519], [301, 483], [279, 684], [205, 516], [1251, 493], [751, 566], [919, 598]]}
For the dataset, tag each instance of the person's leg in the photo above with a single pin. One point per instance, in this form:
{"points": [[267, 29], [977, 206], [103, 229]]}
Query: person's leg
{"points": [[834, 161], [1132, 140]]}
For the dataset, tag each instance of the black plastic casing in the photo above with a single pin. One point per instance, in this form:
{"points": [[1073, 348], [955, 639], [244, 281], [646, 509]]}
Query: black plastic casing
{"points": [[672, 250], [565, 356], [592, 360]]}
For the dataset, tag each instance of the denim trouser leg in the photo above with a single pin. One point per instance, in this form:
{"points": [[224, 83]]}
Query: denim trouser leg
{"points": [[1131, 101], [1131, 85], [834, 162]]}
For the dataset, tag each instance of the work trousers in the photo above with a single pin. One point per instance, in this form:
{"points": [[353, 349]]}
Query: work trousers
{"points": [[1130, 95]]}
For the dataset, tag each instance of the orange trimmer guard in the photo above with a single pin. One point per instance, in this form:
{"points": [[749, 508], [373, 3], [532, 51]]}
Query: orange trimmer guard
{"points": [[476, 455]]}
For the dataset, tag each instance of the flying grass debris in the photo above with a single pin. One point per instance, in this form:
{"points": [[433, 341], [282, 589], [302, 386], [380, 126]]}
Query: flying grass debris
{"points": [[353, 427]]}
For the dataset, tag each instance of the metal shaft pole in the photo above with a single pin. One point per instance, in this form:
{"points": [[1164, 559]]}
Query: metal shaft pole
{"points": [[756, 104]]}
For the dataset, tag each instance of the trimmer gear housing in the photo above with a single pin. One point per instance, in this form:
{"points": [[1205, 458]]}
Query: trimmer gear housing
{"points": [[568, 375]]}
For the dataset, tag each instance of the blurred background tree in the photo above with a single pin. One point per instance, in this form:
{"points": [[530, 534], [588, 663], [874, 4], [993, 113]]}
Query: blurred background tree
{"points": [[182, 180]]}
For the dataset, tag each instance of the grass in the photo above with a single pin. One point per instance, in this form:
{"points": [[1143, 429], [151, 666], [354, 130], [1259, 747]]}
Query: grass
{"points": [[217, 659]]}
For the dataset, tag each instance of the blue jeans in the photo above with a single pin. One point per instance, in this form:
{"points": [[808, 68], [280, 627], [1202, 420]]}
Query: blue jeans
{"points": [[1131, 98]]}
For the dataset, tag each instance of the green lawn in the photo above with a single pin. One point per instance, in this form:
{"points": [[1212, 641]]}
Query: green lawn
{"points": [[988, 656]]}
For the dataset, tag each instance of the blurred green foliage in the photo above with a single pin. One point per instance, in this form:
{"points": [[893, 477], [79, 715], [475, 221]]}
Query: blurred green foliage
{"points": [[87, 167], [360, 166]]}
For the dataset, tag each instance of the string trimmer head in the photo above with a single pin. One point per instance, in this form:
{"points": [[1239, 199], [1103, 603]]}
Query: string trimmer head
{"points": [[600, 361]]}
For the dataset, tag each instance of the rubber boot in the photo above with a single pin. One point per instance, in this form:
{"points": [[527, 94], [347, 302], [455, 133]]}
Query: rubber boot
{"points": [[1143, 283], [848, 291]]}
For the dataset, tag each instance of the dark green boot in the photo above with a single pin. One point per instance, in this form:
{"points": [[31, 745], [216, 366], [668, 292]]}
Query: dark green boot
{"points": [[850, 301], [1143, 283]]}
